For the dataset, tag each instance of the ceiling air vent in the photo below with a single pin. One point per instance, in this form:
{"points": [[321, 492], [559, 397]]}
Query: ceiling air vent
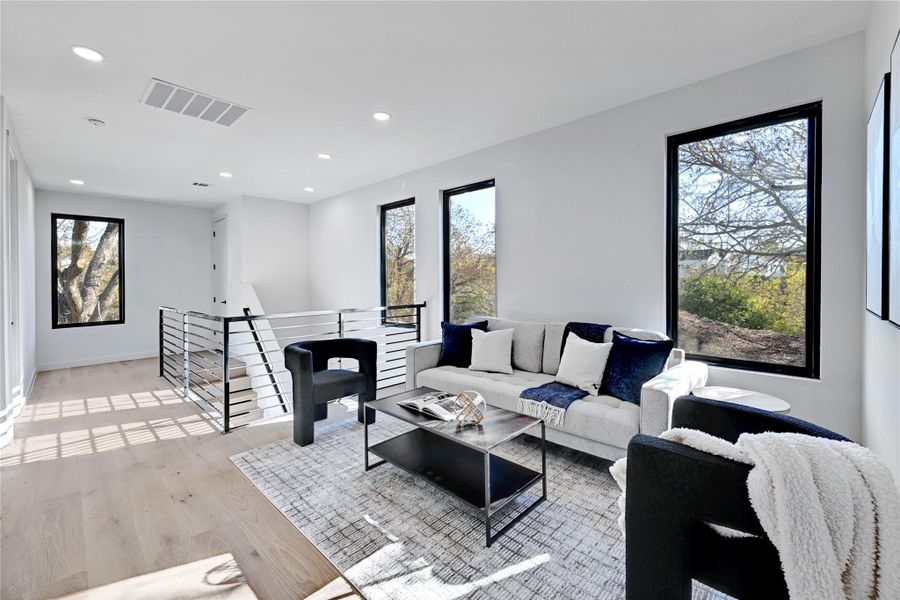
{"points": [[162, 94]]}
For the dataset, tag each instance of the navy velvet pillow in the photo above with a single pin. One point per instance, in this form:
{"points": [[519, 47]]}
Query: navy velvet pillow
{"points": [[456, 343], [590, 332], [631, 364]]}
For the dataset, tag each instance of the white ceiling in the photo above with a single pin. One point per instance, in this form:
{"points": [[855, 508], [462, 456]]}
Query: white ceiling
{"points": [[456, 76]]}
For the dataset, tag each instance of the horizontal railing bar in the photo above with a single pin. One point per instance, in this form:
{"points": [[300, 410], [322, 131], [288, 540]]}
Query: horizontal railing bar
{"points": [[179, 376], [198, 326], [190, 333], [192, 313], [275, 395], [259, 329], [316, 313], [215, 364], [395, 342], [383, 371], [281, 339]]}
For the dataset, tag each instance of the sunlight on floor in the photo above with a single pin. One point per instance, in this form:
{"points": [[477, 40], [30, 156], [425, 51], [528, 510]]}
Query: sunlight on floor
{"points": [[45, 411], [79, 442], [214, 578]]}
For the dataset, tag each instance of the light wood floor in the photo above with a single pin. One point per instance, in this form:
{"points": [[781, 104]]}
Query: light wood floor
{"points": [[112, 475]]}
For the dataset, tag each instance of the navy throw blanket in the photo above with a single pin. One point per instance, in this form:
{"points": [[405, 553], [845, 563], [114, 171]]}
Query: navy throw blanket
{"points": [[549, 401]]}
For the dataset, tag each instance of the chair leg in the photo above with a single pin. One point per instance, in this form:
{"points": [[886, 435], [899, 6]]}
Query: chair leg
{"points": [[363, 414], [321, 412], [304, 419]]}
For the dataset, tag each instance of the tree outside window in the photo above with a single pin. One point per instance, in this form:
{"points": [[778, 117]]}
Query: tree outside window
{"points": [[470, 258], [744, 258], [87, 270], [398, 258]]}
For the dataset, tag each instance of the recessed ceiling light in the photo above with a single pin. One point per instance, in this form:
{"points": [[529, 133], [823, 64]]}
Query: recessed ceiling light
{"points": [[324, 155], [87, 53], [309, 189], [224, 174], [381, 116], [76, 182]]}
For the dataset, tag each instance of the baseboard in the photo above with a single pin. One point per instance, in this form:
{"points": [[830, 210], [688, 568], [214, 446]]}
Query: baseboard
{"points": [[99, 360]]}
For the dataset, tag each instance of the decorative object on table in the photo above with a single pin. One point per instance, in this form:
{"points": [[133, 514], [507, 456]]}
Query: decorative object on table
{"points": [[472, 404], [787, 483], [743, 397], [397, 537], [877, 204], [314, 384], [894, 190]]}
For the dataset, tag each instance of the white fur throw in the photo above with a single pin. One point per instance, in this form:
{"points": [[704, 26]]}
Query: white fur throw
{"points": [[831, 509]]}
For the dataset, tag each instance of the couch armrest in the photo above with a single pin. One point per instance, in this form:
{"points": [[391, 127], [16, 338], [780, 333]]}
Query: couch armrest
{"points": [[420, 356], [659, 394]]}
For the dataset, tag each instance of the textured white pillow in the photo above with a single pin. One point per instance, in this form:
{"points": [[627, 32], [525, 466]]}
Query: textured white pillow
{"points": [[492, 351], [582, 364]]}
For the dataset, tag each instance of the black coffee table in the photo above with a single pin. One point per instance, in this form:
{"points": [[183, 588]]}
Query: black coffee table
{"points": [[457, 459]]}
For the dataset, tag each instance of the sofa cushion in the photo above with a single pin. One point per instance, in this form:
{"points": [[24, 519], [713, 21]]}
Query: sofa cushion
{"points": [[632, 363], [598, 418], [553, 335], [456, 343], [589, 332], [528, 342], [640, 334], [492, 351]]}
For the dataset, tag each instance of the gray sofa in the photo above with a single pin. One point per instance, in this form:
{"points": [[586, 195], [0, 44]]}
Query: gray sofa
{"points": [[598, 425]]}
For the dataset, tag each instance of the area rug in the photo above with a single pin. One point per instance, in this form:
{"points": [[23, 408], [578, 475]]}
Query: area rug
{"points": [[397, 537]]}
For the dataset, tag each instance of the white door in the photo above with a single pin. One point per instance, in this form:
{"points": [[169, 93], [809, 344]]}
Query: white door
{"points": [[220, 266]]}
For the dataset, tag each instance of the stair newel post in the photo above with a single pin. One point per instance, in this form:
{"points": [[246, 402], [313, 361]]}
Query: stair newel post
{"points": [[186, 358], [418, 323], [160, 342], [226, 378]]}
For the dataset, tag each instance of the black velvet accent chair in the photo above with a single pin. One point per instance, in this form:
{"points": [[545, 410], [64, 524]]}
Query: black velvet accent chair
{"points": [[675, 492], [314, 384]]}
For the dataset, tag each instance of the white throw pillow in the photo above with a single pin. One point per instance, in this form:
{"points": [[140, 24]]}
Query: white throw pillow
{"points": [[582, 364], [492, 351]]}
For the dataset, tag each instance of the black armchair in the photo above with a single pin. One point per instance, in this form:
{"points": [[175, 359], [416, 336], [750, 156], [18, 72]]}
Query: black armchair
{"points": [[314, 384], [676, 492]]}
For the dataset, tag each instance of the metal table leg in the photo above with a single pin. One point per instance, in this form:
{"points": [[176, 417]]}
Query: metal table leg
{"points": [[487, 498]]}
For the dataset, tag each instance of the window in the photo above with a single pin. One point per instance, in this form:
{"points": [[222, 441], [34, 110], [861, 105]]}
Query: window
{"points": [[88, 270], [743, 242], [470, 261], [398, 256]]}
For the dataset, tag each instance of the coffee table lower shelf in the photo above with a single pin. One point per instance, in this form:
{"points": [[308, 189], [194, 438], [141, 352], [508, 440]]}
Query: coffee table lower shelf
{"points": [[486, 482]]}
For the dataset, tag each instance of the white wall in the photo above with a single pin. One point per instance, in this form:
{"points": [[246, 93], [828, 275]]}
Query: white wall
{"points": [[581, 218], [18, 327], [268, 247], [168, 261], [881, 351]]}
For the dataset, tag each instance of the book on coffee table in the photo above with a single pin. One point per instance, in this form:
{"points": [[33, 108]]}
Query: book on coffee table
{"points": [[440, 405]]}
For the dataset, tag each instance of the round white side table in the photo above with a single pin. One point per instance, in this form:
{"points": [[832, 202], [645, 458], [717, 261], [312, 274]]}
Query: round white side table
{"points": [[745, 397]]}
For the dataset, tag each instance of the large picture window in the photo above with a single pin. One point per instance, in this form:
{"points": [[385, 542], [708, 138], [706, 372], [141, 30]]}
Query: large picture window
{"points": [[470, 260], [743, 242], [88, 270], [398, 255]]}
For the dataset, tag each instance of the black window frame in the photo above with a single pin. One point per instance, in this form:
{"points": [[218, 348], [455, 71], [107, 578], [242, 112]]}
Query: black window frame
{"points": [[54, 275], [383, 209], [813, 113], [446, 196]]}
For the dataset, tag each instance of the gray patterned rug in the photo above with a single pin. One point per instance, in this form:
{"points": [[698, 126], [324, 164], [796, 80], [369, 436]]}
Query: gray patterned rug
{"points": [[396, 537]]}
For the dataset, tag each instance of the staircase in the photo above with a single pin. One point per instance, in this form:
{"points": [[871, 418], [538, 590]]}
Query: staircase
{"points": [[241, 393]]}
